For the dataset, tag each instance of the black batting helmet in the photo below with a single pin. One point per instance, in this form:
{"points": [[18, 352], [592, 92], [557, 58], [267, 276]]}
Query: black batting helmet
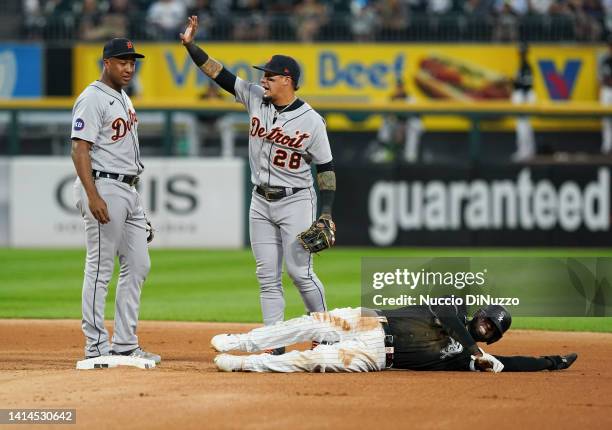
{"points": [[499, 316]]}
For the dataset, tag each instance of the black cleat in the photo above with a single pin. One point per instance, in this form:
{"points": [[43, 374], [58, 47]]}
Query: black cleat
{"points": [[560, 362]]}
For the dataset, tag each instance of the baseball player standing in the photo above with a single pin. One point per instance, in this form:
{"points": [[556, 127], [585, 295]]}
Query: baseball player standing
{"points": [[286, 136], [522, 94], [106, 156]]}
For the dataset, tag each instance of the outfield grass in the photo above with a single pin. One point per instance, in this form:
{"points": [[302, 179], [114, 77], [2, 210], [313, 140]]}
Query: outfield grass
{"points": [[220, 285]]}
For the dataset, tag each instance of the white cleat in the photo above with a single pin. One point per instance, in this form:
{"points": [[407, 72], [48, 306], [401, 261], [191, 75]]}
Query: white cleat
{"points": [[225, 342], [229, 363]]}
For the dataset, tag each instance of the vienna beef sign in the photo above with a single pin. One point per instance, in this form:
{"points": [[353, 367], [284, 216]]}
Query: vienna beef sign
{"points": [[519, 206]]}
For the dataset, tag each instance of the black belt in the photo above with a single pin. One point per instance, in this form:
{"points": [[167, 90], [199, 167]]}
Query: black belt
{"points": [[389, 349], [131, 180], [274, 194]]}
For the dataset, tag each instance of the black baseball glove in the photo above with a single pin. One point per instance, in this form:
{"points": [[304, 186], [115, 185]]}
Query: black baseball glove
{"points": [[150, 231], [319, 236]]}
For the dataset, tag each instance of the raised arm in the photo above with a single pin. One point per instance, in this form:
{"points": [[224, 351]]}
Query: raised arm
{"points": [[211, 67]]}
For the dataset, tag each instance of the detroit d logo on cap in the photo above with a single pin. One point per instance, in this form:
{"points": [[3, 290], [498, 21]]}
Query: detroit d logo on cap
{"points": [[79, 124]]}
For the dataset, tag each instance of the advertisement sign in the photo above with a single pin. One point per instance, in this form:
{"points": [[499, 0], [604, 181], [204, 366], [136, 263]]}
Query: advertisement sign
{"points": [[20, 70], [341, 72], [488, 206], [177, 195]]}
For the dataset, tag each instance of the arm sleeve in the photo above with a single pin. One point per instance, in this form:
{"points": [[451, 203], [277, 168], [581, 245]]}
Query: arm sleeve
{"points": [[319, 148], [227, 81], [452, 322], [87, 117], [248, 93], [524, 364]]}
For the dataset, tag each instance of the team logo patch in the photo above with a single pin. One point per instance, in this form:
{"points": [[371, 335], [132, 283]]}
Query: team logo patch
{"points": [[79, 124]]}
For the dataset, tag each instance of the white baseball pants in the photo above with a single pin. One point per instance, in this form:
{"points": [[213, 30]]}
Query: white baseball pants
{"points": [[358, 346]]}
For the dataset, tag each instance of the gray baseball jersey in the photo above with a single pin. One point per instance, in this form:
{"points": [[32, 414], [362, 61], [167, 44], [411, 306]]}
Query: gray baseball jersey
{"points": [[107, 119], [280, 143]]}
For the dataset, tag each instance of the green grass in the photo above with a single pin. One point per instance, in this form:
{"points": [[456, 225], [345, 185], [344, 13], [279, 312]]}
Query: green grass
{"points": [[220, 285]]}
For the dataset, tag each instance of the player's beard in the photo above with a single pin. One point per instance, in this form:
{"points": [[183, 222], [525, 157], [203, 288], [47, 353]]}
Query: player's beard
{"points": [[267, 99]]}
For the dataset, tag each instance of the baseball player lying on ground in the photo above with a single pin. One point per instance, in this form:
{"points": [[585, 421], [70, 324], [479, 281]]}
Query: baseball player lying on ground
{"points": [[367, 340]]}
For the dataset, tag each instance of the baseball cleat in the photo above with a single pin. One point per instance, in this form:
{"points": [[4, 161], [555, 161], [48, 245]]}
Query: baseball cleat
{"points": [[567, 361], [560, 362], [225, 342], [139, 353], [228, 363]]}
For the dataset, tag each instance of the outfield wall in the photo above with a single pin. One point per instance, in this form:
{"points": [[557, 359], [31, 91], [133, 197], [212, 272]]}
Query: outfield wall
{"points": [[200, 203], [504, 205], [192, 203]]}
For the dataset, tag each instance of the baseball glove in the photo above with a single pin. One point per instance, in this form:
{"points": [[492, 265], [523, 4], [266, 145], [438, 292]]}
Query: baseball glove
{"points": [[319, 236], [150, 231]]}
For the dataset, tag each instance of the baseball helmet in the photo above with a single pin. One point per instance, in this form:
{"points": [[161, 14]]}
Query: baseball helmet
{"points": [[499, 316]]}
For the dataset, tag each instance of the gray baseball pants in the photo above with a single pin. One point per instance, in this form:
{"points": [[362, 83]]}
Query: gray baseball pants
{"points": [[125, 236], [273, 228]]}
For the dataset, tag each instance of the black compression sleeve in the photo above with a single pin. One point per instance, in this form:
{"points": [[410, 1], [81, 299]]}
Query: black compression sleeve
{"points": [[454, 327], [198, 56], [326, 167], [226, 80], [327, 201], [524, 364]]}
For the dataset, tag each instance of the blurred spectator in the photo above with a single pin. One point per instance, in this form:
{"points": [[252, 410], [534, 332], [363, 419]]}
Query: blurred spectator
{"points": [[59, 7], [607, 12], [523, 93], [394, 16], [251, 21], [540, 7], [605, 97], [478, 8], [96, 24], [280, 6], [33, 19], [586, 26], [203, 10], [309, 17], [509, 12], [363, 20], [167, 17], [439, 7]]}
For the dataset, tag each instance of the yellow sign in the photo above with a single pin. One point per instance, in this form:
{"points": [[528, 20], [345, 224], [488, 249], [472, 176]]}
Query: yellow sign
{"points": [[364, 73]]}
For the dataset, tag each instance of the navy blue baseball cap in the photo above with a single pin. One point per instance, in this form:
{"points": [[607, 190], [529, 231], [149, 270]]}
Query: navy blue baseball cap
{"points": [[120, 47], [282, 65]]}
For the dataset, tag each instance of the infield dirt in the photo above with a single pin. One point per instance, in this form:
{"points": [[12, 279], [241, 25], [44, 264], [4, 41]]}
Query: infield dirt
{"points": [[37, 370]]}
